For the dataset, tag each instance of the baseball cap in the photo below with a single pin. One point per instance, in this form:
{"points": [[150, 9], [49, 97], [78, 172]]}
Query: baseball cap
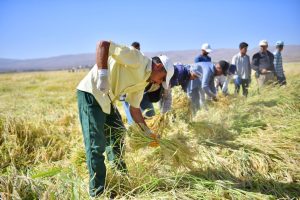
{"points": [[168, 65], [206, 47], [279, 43], [263, 43]]}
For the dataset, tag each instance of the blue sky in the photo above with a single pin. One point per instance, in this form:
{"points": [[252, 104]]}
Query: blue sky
{"points": [[40, 28]]}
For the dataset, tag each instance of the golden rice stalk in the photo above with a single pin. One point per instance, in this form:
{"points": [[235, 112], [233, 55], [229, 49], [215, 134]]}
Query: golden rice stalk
{"points": [[172, 150], [181, 104]]}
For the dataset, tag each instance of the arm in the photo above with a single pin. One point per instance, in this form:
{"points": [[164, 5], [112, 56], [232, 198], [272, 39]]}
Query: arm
{"points": [[225, 84], [233, 62], [271, 61], [249, 67], [139, 119], [137, 116], [276, 59], [102, 52], [166, 101], [255, 63], [207, 87], [134, 99]]}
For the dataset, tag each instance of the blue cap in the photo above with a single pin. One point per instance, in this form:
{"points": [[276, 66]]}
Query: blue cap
{"points": [[279, 43]]}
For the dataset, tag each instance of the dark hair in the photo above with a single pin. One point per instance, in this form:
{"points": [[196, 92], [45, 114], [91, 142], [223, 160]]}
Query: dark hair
{"points": [[156, 60], [225, 66], [243, 45], [136, 45]]}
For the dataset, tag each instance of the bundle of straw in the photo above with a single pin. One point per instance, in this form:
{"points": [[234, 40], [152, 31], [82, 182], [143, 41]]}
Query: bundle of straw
{"points": [[181, 105], [160, 123], [170, 150]]}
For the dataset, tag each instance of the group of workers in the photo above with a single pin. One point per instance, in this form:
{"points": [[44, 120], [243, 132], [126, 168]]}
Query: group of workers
{"points": [[126, 74]]}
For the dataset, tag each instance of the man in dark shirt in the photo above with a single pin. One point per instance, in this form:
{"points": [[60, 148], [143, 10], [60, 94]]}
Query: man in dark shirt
{"points": [[263, 64], [205, 50]]}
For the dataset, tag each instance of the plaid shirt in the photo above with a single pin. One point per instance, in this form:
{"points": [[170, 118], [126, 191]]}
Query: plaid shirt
{"points": [[278, 64]]}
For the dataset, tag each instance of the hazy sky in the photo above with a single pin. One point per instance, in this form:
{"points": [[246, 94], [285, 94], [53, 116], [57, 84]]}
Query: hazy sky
{"points": [[40, 28]]}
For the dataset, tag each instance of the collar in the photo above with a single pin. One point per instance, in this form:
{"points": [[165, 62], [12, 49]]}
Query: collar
{"points": [[263, 52], [149, 65], [241, 54]]}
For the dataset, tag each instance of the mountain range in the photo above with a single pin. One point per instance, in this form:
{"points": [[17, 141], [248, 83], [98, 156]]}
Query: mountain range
{"points": [[291, 53]]}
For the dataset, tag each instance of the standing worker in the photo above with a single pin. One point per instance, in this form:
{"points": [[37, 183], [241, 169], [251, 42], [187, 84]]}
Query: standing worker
{"points": [[278, 63], [118, 70], [194, 89], [263, 65], [243, 69], [203, 57]]}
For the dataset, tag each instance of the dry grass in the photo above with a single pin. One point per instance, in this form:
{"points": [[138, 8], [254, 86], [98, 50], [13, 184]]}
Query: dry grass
{"points": [[238, 149]]}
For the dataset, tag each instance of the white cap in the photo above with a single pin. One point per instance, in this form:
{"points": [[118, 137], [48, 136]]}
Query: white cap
{"points": [[279, 43], [263, 43], [206, 47], [169, 68]]}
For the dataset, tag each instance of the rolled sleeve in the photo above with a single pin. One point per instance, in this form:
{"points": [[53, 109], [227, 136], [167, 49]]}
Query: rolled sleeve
{"points": [[126, 56], [135, 98], [166, 101]]}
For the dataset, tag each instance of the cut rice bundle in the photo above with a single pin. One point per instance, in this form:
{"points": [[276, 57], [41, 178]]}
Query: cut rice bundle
{"points": [[170, 150]]}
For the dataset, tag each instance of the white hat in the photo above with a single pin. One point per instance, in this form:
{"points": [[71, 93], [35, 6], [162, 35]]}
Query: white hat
{"points": [[206, 47], [168, 65], [279, 43], [263, 43]]}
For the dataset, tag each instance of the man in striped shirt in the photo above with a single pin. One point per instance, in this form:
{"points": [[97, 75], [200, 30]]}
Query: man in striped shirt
{"points": [[278, 63]]}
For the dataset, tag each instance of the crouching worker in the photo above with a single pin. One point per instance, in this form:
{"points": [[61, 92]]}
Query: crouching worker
{"points": [[119, 70], [182, 76], [206, 73]]}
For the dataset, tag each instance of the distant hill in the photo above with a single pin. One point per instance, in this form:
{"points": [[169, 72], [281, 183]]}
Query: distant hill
{"points": [[52, 63], [291, 53]]}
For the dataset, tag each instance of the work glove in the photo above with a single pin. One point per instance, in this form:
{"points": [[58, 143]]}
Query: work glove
{"points": [[103, 84]]}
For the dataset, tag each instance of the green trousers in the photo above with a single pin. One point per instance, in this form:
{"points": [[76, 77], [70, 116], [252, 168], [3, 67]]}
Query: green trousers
{"points": [[101, 132]]}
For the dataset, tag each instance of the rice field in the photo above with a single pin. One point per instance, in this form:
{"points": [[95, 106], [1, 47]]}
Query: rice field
{"points": [[240, 148]]}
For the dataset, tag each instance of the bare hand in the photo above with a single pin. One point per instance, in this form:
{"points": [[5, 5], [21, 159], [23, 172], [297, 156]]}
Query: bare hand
{"points": [[155, 142], [193, 76], [263, 71]]}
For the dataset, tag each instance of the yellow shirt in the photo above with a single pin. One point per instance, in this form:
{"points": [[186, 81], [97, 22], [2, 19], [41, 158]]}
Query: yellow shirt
{"points": [[128, 72]]}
